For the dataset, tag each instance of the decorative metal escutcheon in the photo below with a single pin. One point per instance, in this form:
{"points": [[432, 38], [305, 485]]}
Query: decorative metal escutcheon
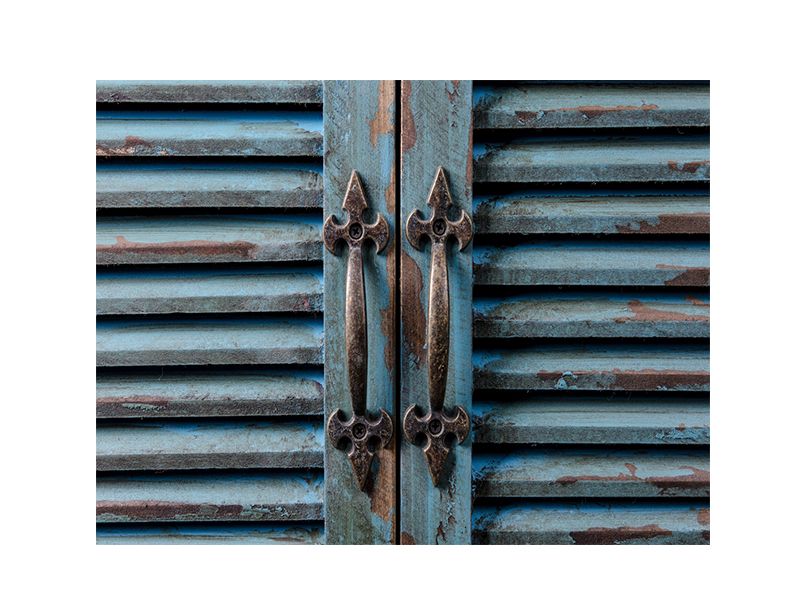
{"points": [[360, 429], [436, 426]]}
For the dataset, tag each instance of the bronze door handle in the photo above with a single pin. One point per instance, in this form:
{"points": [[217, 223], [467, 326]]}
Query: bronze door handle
{"points": [[360, 428], [437, 425]]}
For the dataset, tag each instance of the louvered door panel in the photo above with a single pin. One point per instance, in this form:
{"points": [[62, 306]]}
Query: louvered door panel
{"points": [[591, 313], [209, 302]]}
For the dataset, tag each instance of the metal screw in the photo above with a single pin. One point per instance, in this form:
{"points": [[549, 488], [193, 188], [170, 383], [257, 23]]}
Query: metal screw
{"points": [[439, 226], [435, 426], [359, 431], [356, 231]]}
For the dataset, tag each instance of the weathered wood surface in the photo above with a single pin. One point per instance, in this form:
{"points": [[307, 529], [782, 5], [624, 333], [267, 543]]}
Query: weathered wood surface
{"points": [[553, 420], [193, 534], [591, 474], [360, 123], [234, 341], [148, 240], [542, 106], [536, 214], [543, 160], [642, 263], [537, 315], [590, 523], [262, 289], [208, 497], [271, 185], [209, 394], [204, 133], [235, 91], [593, 367], [436, 120], [208, 445]]}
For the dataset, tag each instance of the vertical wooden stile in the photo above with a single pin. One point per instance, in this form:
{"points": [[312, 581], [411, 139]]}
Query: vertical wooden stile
{"points": [[359, 134], [436, 130]]}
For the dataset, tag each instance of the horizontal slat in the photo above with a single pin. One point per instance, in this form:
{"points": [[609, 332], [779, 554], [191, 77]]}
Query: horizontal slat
{"points": [[215, 445], [238, 394], [670, 263], [140, 240], [592, 421], [296, 92], [254, 290], [593, 368], [188, 534], [532, 106], [592, 161], [596, 315], [531, 214], [268, 186], [592, 474], [180, 497], [209, 134], [237, 341], [640, 523]]}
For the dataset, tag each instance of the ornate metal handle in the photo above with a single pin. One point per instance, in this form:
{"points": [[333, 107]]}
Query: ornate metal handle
{"points": [[360, 428], [436, 425]]}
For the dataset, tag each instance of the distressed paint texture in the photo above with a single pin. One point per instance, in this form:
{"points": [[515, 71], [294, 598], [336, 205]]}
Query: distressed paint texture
{"points": [[186, 91], [359, 125], [436, 131]]}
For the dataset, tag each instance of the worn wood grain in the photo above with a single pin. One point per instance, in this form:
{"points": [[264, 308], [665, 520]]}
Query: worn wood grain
{"points": [[530, 214], [201, 534], [593, 367], [553, 420], [187, 91], [592, 523], [554, 105], [642, 263], [436, 131], [642, 160], [270, 496], [359, 124], [269, 185], [160, 240], [208, 445], [209, 394], [260, 289], [537, 315], [266, 133], [539, 473], [234, 341]]}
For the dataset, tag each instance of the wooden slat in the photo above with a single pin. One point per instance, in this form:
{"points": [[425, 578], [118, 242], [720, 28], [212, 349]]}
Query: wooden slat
{"points": [[239, 91], [672, 263], [190, 534], [541, 106], [592, 421], [205, 497], [640, 523], [238, 394], [536, 214], [218, 291], [592, 474], [209, 134], [578, 160], [597, 315], [360, 124], [593, 368], [209, 445], [218, 186], [263, 341], [436, 131], [143, 240]]}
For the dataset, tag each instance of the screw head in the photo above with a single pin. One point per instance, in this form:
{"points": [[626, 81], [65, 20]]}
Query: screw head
{"points": [[356, 231], [359, 431], [435, 426], [439, 226]]}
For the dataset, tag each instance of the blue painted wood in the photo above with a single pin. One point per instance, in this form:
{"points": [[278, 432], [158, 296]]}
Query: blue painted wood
{"points": [[191, 91], [191, 534]]}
